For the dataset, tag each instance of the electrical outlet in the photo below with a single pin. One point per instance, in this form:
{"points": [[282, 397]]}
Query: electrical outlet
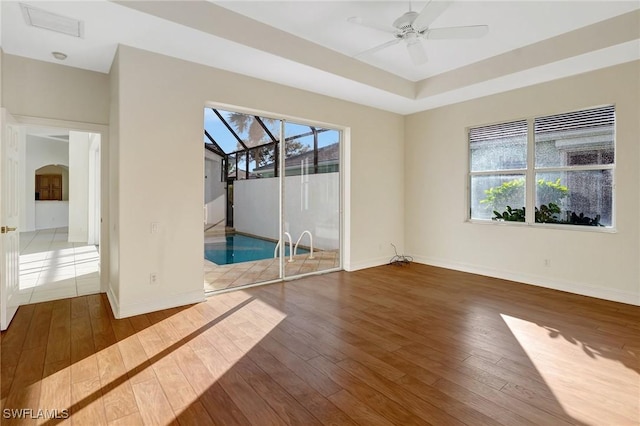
{"points": [[154, 227], [153, 278], [547, 263]]}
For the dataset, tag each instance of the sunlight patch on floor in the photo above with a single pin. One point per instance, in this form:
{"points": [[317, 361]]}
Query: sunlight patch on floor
{"points": [[220, 340], [574, 371], [53, 268]]}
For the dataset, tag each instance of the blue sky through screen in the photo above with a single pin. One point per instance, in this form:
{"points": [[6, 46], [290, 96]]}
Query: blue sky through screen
{"points": [[229, 144]]}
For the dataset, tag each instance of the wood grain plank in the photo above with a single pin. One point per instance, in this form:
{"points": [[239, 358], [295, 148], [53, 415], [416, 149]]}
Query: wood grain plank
{"points": [[88, 406], [38, 332], [313, 377], [281, 402], [19, 328], [59, 338], [176, 387], [221, 407], [135, 360], [55, 390], [359, 412], [481, 404], [412, 345], [470, 385], [300, 387], [389, 409], [152, 403], [117, 392], [194, 415], [425, 401], [254, 408], [134, 419]]}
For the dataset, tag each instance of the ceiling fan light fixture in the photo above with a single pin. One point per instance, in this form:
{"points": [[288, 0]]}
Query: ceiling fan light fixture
{"points": [[416, 51], [412, 38]]}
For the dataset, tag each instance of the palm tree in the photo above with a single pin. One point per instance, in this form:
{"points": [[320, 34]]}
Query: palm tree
{"points": [[256, 136], [248, 123]]}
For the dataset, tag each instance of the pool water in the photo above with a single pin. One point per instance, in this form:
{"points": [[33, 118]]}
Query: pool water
{"points": [[236, 248]]}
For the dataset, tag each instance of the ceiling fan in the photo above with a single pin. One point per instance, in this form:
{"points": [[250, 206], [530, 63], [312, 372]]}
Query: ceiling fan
{"points": [[412, 26]]}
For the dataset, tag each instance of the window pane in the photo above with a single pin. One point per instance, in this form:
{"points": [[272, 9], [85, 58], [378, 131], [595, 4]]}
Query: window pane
{"points": [[264, 161], [581, 197], [221, 126], [498, 147], [498, 193], [575, 139]]}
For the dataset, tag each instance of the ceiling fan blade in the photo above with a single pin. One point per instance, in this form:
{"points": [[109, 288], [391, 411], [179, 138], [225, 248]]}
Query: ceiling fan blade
{"points": [[379, 47], [430, 12], [472, 31], [359, 21], [416, 52]]}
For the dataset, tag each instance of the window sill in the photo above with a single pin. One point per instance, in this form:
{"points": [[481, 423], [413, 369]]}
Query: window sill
{"points": [[582, 228]]}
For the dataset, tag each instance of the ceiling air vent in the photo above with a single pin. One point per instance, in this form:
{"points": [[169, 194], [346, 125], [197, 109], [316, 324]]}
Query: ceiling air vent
{"points": [[50, 21]]}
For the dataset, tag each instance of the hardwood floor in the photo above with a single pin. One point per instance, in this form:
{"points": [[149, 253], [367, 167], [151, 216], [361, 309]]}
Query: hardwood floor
{"points": [[388, 345]]}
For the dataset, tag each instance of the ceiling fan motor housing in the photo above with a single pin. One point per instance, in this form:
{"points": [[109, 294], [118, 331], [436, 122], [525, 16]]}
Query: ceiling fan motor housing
{"points": [[405, 22]]}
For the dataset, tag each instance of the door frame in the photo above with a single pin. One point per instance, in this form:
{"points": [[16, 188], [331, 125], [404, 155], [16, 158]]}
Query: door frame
{"points": [[103, 130], [10, 217], [344, 179]]}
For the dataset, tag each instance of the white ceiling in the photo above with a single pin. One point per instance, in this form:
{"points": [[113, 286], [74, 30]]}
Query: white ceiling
{"points": [[310, 44], [512, 24]]}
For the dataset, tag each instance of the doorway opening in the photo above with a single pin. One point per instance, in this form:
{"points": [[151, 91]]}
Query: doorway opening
{"points": [[59, 181], [273, 196]]}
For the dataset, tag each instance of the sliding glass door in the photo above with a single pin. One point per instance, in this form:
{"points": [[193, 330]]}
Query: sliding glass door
{"points": [[311, 208], [272, 199]]}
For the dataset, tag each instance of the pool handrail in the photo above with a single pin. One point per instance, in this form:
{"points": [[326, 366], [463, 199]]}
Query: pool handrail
{"points": [[275, 250], [295, 249]]}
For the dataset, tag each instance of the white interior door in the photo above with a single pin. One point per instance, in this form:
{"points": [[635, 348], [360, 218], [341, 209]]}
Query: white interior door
{"points": [[9, 217]]}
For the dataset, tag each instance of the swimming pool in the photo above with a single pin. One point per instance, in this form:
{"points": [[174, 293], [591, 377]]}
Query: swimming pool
{"points": [[236, 248]]}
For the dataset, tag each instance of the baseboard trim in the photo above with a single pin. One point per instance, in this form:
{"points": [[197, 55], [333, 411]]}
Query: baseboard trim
{"points": [[539, 281], [113, 301], [172, 301], [364, 264]]}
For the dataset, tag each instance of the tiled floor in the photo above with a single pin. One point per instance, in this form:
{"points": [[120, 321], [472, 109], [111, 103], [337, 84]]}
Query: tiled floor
{"points": [[52, 268]]}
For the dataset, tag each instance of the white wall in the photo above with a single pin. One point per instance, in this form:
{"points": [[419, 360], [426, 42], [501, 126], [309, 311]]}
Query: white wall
{"points": [[312, 203], [159, 115], [39, 152], [215, 195], [598, 264], [1, 56], [113, 163], [51, 214], [79, 145], [256, 207], [94, 188], [43, 89], [216, 211]]}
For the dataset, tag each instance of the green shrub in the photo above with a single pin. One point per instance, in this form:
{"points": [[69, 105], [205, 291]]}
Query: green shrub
{"points": [[546, 214], [513, 192]]}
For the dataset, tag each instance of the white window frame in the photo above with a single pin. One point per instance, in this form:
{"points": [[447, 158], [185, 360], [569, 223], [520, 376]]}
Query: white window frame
{"points": [[530, 179]]}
